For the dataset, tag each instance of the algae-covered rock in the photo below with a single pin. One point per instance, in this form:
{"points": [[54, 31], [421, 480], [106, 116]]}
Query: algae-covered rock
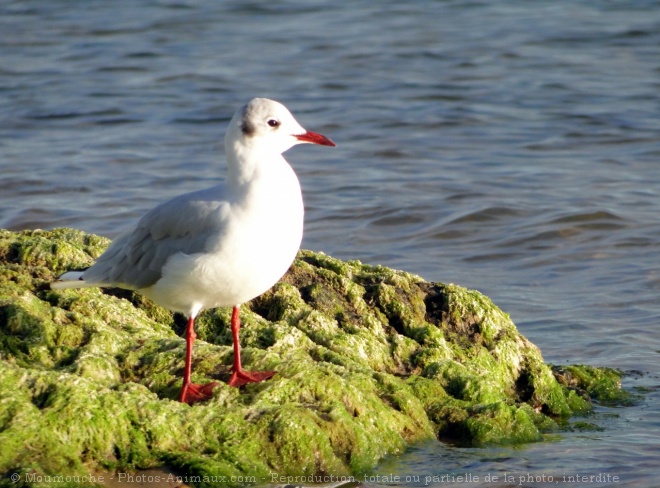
{"points": [[369, 360], [603, 384]]}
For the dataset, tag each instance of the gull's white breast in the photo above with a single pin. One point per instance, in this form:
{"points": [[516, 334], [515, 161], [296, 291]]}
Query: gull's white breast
{"points": [[256, 240]]}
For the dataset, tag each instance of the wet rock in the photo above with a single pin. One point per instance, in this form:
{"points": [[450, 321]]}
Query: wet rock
{"points": [[369, 361]]}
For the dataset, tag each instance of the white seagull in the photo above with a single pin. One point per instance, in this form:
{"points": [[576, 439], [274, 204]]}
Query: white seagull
{"points": [[218, 247]]}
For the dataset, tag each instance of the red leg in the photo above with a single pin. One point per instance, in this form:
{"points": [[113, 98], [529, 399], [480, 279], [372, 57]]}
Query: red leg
{"points": [[191, 392], [239, 376]]}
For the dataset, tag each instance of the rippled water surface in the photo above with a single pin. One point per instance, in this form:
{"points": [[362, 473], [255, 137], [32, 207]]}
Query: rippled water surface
{"points": [[512, 147]]}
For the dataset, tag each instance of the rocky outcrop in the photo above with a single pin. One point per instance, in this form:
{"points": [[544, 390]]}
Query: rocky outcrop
{"points": [[369, 361]]}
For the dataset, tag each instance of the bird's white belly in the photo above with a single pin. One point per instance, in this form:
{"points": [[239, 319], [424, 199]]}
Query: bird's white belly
{"points": [[236, 269]]}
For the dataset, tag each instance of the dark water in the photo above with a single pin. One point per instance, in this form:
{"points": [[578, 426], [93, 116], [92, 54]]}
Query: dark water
{"points": [[512, 147]]}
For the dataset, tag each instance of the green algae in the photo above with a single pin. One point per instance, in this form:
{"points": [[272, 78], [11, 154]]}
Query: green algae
{"points": [[369, 361], [602, 384]]}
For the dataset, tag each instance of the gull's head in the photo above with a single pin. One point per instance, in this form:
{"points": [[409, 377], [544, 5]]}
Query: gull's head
{"points": [[265, 124]]}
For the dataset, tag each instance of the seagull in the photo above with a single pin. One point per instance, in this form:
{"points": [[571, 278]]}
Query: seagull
{"points": [[218, 247]]}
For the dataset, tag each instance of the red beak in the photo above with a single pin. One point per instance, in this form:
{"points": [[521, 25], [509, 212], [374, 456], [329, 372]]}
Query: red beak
{"points": [[314, 138]]}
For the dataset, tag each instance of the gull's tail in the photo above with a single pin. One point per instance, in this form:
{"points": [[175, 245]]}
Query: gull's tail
{"points": [[70, 279]]}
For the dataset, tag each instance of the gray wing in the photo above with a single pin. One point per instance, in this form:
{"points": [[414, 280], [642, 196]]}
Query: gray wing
{"points": [[135, 259]]}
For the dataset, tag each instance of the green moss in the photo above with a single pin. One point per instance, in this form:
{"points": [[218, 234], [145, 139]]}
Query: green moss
{"points": [[602, 384], [369, 361], [499, 422]]}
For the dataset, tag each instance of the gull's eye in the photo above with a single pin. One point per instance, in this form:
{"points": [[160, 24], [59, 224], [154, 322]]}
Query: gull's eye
{"points": [[273, 122]]}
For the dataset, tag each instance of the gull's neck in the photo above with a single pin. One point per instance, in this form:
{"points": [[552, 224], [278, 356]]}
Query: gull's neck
{"points": [[249, 164]]}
